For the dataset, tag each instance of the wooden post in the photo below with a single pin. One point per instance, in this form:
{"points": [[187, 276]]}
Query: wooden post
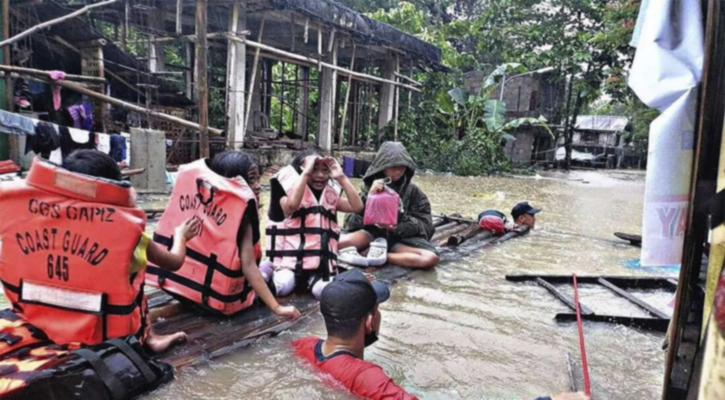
{"points": [[347, 99], [397, 97], [202, 83], [236, 74], [327, 103], [124, 26], [387, 95], [253, 78], [304, 104], [92, 65], [189, 73], [179, 17], [156, 48]]}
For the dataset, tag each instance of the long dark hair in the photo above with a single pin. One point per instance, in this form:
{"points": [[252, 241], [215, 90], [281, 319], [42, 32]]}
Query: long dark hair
{"points": [[300, 158], [233, 163]]}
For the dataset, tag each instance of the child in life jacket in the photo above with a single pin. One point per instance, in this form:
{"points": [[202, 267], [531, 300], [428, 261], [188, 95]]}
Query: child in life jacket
{"points": [[236, 163], [408, 243], [302, 231], [98, 164]]}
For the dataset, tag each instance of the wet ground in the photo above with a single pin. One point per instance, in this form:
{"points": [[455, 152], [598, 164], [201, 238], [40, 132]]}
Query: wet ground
{"points": [[464, 332]]}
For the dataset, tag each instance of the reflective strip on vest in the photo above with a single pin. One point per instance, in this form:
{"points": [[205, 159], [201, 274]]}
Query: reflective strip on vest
{"points": [[307, 239], [212, 271], [64, 232]]}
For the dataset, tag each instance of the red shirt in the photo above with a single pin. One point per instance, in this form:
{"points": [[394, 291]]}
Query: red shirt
{"points": [[361, 377]]}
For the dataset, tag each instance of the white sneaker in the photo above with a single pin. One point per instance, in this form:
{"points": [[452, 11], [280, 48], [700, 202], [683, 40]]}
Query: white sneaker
{"points": [[349, 255], [378, 252]]}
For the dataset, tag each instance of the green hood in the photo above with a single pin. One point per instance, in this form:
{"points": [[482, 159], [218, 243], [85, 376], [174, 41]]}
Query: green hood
{"points": [[390, 154]]}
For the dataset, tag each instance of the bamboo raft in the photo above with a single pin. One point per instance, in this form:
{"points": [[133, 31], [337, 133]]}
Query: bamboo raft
{"points": [[213, 336]]}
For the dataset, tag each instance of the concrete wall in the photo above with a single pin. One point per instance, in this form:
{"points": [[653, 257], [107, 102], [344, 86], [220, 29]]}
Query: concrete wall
{"points": [[520, 150], [149, 151]]}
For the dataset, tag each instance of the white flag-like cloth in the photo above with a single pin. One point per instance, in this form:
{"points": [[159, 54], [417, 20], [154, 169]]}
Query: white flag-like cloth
{"points": [[665, 74]]}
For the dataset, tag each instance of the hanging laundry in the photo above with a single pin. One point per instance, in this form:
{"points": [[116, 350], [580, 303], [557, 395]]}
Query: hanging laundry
{"points": [[104, 143], [56, 75], [45, 140], [68, 144], [82, 115], [118, 148], [15, 124], [56, 156]]}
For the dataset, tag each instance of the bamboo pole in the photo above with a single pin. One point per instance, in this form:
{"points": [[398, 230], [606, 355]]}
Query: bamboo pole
{"points": [[68, 77], [53, 22], [128, 106], [347, 99], [124, 27], [179, 14], [312, 61], [396, 110], [409, 79], [253, 76], [202, 84]]}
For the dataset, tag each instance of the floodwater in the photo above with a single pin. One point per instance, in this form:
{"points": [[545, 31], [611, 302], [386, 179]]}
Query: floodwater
{"points": [[462, 331]]}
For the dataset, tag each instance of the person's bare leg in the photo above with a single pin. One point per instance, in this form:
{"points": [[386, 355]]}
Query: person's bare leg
{"points": [[360, 239], [160, 343], [411, 257]]}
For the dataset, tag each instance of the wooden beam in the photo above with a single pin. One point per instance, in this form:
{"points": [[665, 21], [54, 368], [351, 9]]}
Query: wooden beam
{"points": [[397, 99], [202, 83], [566, 299], [124, 26], [68, 77], [640, 282], [253, 76], [179, 19], [409, 79], [311, 61], [651, 324], [326, 100], [304, 101], [633, 299], [347, 100], [386, 111], [55, 21]]}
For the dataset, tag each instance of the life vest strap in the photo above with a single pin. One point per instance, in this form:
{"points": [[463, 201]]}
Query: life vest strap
{"points": [[305, 253], [107, 308], [302, 231], [193, 285], [137, 361], [303, 212], [210, 261], [114, 385]]}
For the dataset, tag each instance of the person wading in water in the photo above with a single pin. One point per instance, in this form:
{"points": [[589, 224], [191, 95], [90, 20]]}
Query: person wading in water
{"points": [[350, 308]]}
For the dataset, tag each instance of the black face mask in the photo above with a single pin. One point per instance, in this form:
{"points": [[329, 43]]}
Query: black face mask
{"points": [[370, 338]]}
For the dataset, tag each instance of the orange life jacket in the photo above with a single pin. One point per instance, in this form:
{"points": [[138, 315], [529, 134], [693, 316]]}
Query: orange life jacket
{"points": [[67, 243], [307, 239], [212, 272]]}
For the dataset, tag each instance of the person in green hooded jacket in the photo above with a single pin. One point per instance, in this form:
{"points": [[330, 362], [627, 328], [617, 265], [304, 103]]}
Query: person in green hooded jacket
{"points": [[407, 244]]}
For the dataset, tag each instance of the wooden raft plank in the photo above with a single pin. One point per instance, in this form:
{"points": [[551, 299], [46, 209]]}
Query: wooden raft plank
{"points": [[652, 324], [635, 300], [644, 282], [563, 297]]}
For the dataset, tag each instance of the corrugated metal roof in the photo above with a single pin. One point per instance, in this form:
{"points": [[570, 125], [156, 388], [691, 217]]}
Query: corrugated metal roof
{"points": [[601, 123]]}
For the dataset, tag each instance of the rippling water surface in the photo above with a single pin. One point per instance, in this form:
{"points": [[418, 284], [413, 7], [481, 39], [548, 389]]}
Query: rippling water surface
{"points": [[464, 332]]}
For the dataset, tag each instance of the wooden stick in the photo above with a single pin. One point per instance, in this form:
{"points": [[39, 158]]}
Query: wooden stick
{"points": [[635, 300], [397, 99], [53, 22], [411, 80], [253, 76], [68, 77], [131, 172], [454, 218], [566, 299], [298, 57], [128, 106], [470, 232], [347, 99], [652, 324], [179, 14]]}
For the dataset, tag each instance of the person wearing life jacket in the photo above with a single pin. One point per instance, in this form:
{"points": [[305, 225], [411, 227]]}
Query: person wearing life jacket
{"points": [[495, 221], [220, 271], [74, 252], [302, 230]]}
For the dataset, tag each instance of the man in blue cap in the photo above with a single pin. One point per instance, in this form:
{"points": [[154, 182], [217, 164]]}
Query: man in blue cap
{"points": [[349, 304], [524, 214]]}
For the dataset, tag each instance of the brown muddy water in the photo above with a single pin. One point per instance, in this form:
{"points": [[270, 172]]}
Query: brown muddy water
{"points": [[464, 332]]}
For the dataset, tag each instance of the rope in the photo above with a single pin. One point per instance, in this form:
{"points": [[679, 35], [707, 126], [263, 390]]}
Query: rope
{"points": [[585, 366]]}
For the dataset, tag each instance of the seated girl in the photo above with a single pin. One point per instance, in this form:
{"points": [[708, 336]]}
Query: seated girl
{"points": [[220, 272], [406, 244], [302, 230]]}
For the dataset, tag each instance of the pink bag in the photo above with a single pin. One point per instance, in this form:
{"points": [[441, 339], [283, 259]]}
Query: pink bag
{"points": [[382, 208]]}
